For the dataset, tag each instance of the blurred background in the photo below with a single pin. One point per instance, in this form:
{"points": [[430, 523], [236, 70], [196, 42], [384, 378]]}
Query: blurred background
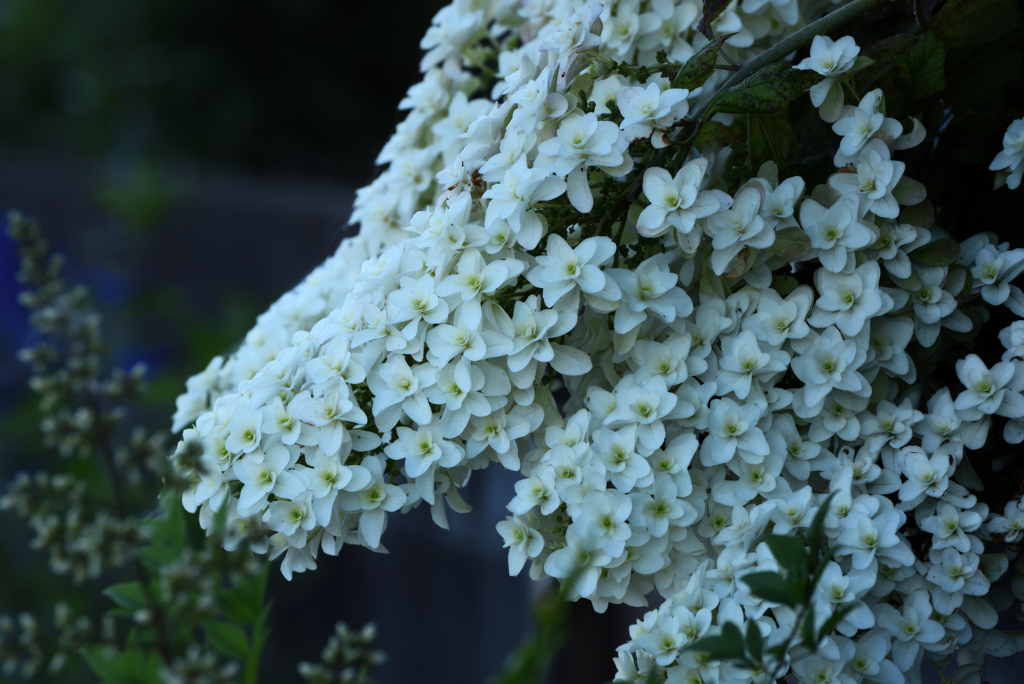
{"points": [[195, 160]]}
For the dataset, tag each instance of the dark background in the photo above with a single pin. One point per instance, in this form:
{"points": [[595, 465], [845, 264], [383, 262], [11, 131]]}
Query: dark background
{"points": [[195, 160]]}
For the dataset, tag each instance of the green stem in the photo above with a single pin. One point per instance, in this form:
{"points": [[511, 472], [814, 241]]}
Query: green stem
{"points": [[794, 42]]}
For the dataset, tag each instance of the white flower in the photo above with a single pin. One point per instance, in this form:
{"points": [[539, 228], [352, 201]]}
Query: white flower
{"points": [[778, 319], [522, 542], [374, 502], [738, 228], [847, 301], [644, 110], [743, 362], [581, 560], [602, 520], [677, 201], [564, 269], [925, 476], [862, 123], [514, 198], [733, 431], [830, 59], [911, 627], [994, 269], [263, 474], [582, 142], [988, 391], [398, 388], [423, 447], [836, 233], [1011, 157], [649, 287], [873, 184]]}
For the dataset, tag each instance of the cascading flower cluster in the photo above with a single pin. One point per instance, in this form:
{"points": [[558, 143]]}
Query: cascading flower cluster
{"points": [[677, 359]]}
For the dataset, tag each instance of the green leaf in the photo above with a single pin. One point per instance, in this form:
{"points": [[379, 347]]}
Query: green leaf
{"points": [[791, 243], [712, 8], [712, 132], [907, 67], [817, 527], [719, 648], [127, 595], [788, 551], [784, 284], [701, 65], [942, 252], [807, 630], [770, 586], [755, 645], [921, 215], [133, 666], [831, 623], [242, 602], [923, 73], [966, 22], [228, 639], [769, 90]]}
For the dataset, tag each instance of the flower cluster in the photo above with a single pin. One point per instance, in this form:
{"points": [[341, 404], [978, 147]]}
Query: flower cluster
{"points": [[1010, 161], [676, 362]]}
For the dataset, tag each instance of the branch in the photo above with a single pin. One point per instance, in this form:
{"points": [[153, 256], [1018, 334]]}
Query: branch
{"points": [[794, 42]]}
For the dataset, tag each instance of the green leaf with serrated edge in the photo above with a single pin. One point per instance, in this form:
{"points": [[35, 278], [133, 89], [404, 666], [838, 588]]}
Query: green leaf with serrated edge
{"points": [[754, 640], [788, 551], [712, 8], [791, 243], [770, 586], [127, 595], [701, 65], [831, 623], [228, 639], [942, 252], [769, 90]]}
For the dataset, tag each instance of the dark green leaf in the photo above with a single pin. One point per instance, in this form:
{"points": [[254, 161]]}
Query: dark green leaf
{"points": [[791, 243], [701, 65], [784, 284], [807, 630], [769, 90], [921, 215], [818, 526], [133, 666], [788, 551], [712, 132], [242, 603], [127, 595], [731, 631], [831, 623], [718, 648], [770, 586], [754, 642], [228, 639], [966, 22], [712, 8], [942, 252], [907, 67]]}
